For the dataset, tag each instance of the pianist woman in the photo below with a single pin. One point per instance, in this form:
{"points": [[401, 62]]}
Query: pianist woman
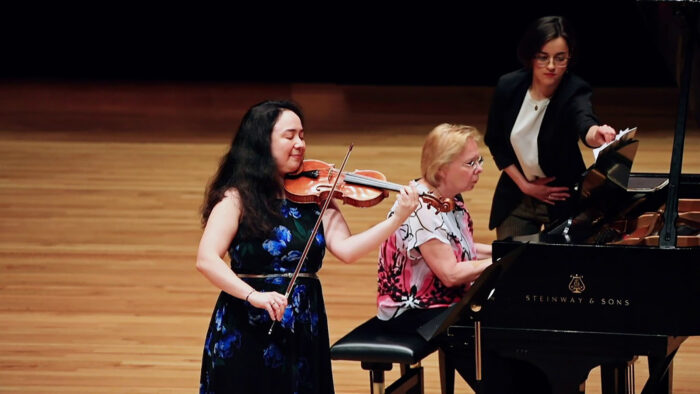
{"points": [[536, 118], [430, 261]]}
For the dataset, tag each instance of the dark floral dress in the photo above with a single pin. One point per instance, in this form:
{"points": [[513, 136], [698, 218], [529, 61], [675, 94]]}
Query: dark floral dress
{"points": [[239, 354]]}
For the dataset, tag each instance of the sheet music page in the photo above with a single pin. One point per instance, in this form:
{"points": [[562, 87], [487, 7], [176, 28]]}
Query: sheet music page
{"points": [[622, 135]]}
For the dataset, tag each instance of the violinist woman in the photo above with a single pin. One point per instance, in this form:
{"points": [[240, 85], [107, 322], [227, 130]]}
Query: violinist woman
{"points": [[432, 259], [246, 215], [536, 119]]}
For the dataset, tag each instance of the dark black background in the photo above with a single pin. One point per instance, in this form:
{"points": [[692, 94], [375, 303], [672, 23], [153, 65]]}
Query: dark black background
{"points": [[428, 43]]}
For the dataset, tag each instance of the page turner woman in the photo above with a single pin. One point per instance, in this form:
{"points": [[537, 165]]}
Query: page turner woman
{"points": [[537, 116]]}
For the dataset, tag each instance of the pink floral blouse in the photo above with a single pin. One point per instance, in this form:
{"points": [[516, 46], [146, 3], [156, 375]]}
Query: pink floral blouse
{"points": [[405, 281]]}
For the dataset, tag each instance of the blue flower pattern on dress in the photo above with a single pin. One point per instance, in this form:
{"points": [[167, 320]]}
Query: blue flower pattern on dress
{"points": [[292, 257], [258, 317], [238, 332], [219, 319], [207, 344], [289, 260], [288, 319], [300, 303], [276, 280], [225, 346], [273, 356], [277, 245], [288, 211]]}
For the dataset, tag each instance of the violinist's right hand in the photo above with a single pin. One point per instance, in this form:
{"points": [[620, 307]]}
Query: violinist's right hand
{"points": [[407, 201], [274, 303]]}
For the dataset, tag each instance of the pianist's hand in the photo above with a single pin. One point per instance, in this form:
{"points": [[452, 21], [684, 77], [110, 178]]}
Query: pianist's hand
{"points": [[599, 135], [548, 194]]}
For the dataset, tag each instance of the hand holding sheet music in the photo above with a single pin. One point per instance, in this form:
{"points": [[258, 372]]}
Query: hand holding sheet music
{"points": [[623, 135]]}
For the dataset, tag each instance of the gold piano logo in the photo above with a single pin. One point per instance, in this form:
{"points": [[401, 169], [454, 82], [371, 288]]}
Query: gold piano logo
{"points": [[576, 285]]}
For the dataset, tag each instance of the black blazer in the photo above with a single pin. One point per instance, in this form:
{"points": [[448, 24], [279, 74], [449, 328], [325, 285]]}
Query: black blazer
{"points": [[569, 116]]}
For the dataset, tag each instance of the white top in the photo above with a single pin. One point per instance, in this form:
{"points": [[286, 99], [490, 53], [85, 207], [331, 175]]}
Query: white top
{"points": [[523, 137], [405, 280]]}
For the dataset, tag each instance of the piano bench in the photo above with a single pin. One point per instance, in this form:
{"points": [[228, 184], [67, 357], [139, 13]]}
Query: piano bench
{"points": [[377, 351]]}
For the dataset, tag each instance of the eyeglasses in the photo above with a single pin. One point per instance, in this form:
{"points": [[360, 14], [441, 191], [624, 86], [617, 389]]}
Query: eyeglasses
{"points": [[560, 60], [474, 163]]}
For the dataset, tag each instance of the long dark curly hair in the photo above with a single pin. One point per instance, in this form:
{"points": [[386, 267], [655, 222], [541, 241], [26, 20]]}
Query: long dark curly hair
{"points": [[249, 167]]}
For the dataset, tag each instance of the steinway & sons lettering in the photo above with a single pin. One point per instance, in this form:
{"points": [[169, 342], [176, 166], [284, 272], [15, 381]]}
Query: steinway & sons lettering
{"points": [[577, 300]]}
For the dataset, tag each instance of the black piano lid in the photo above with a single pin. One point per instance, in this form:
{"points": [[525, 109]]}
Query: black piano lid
{"points": [[597, 288], [630, 289]]}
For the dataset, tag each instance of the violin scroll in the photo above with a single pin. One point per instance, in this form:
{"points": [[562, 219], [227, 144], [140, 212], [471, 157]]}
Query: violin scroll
{"points": [[444, 204]]}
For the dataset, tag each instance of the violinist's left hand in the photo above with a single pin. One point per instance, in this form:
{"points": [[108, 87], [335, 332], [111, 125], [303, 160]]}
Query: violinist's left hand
{"points": [[407, 202]]}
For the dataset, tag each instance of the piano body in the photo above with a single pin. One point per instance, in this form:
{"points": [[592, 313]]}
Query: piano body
{"points": [[566, 304], [618, 279]]}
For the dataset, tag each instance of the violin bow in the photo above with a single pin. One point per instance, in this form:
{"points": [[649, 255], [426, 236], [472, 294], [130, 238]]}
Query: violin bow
{"points": [[313, 233]]}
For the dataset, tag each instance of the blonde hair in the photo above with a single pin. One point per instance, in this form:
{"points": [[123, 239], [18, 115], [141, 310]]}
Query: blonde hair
{"points": [[441, 146]]}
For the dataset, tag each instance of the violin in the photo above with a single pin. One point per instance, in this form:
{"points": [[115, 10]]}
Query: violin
{"points": [[360, 188], [317, 181]]}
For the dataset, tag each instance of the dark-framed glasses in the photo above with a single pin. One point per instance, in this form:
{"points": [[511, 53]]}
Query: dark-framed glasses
{"points": [[560, 60], [472, 164]]}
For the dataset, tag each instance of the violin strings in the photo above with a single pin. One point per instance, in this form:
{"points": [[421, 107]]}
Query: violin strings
{"points": [[366, 180], [373, 182], [369, 181]]}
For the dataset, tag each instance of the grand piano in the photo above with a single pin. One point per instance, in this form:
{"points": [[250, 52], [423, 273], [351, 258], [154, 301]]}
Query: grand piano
{"points": [[597, 289], [618, 279]]}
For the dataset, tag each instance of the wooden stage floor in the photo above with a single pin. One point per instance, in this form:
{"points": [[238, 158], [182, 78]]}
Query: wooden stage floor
{"points": [[100, 186]]}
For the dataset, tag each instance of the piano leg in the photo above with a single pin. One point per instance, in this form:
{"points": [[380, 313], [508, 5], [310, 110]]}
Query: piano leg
{"points": [[618, 378], [447, 373], [660, 375]]}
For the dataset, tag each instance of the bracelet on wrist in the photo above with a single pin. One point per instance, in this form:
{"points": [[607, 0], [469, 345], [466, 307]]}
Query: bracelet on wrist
{"points": [[251, 292]]}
